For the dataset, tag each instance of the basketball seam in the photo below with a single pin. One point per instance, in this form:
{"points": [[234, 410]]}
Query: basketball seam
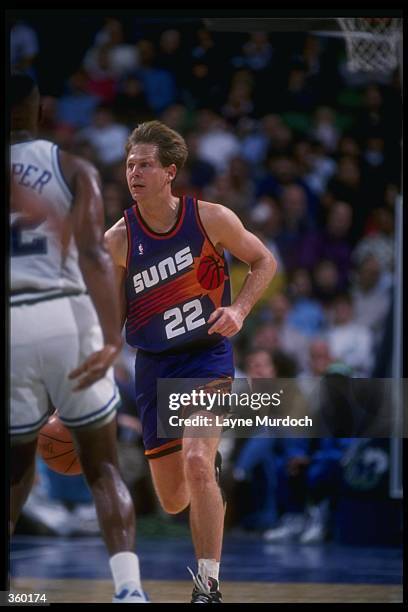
{"points": [[202, 277], [71, 464], [60, 455], [213, 265], [43, 435]]}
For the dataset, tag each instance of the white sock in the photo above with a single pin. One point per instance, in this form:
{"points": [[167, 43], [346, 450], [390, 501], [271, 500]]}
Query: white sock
{"points": [[208, 568], [125, 570]]}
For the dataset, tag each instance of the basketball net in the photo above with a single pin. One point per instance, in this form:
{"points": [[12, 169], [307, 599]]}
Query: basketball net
{"points": [[372, 43]]}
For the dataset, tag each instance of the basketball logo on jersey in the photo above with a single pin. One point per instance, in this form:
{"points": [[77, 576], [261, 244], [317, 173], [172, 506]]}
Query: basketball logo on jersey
{"points": [[141, 251], [210, 272]]}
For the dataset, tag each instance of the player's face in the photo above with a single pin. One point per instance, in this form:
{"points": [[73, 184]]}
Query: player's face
{"points": [[145, 175]]}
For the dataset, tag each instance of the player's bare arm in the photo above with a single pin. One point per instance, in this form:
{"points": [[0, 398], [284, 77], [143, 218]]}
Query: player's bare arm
{"points": [[117, 243], [95, 263], [226, 231]]}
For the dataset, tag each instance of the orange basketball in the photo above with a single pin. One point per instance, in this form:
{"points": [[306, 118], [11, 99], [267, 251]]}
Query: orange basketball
{"points": [[210, 273], [56, 448]]}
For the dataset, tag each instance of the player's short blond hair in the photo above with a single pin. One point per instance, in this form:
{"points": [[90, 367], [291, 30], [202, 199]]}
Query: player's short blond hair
{"points": [[171, 146]]}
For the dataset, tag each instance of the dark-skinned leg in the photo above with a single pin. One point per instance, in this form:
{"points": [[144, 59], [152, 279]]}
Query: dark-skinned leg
{"points": [[22, 476], [97, 451]]}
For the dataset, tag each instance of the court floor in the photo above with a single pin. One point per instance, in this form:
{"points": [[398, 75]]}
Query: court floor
{"points": [[76, 570]]}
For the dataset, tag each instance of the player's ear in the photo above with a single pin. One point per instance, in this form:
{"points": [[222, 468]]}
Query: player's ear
{"points": [[171, 172]]}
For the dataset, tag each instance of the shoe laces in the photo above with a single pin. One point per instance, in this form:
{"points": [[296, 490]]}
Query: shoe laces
{"points": [[199, 584], [202, 592]]}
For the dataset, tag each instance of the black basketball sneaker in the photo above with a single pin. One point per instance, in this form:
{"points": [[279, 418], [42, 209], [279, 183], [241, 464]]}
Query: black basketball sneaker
{"points": [[205, 591]]}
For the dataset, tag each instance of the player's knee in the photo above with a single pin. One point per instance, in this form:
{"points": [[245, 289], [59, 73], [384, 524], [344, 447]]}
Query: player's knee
{"points": [[174, 506], [198, 467], [99, 471]]}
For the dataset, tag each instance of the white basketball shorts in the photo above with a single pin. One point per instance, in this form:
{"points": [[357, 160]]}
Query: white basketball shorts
{"points": [[48, 340]]}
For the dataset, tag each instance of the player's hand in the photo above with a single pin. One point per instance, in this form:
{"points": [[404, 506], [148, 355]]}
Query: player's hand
{"points": [[95, 366], [227, 321]]}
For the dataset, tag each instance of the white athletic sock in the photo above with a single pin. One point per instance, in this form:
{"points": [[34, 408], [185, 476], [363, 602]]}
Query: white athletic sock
{"points": [[208, 568], [125, 570]]}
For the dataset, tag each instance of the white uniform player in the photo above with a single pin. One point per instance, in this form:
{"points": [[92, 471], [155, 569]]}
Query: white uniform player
{"points": [[65, 327], [54, 325]]}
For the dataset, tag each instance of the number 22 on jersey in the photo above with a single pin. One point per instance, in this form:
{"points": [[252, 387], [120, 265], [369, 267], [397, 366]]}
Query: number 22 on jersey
{"points": [[184, 319]]}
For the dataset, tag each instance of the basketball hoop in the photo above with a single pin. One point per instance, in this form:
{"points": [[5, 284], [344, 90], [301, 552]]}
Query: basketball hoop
{"points": [[372, 43]]}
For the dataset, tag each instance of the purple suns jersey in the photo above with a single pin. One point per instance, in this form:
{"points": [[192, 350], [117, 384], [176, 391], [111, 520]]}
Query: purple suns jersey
{"points": [[174, 281]]}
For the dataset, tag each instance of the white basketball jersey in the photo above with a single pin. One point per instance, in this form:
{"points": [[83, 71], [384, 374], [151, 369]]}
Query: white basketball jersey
{"points": [[44, 256]]}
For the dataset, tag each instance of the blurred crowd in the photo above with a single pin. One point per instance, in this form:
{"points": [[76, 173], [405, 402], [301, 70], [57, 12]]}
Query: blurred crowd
{"points": [[308, 155]]}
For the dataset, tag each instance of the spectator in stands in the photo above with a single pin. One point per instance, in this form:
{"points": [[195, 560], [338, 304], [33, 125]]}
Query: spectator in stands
{"points": [[318, 361], [217, 143], [234, 189], [349, 341], [308, 472], [121, 58], [102, 80], [298, 96], [324, 128], [77, 106], [348, 146], [257, 52], [332, 243], [202, 171], [172, 57], [326, 284], [130, 105], [205, 51], [306, 314], [347, 186], [371, 117], [115, 201], [106, 136], [371, 302], [239, 103], [266, 217], [24, 47], [159, 85], [296, 223], [253, 473], [379, 242], [288, 338], [318, 166]]}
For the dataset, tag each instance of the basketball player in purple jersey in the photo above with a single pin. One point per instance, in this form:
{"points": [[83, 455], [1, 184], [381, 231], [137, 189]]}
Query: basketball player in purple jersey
{"points": [[175, 294]]}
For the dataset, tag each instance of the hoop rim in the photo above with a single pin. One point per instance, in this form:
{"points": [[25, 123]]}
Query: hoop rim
{"points": [[373, 36]]}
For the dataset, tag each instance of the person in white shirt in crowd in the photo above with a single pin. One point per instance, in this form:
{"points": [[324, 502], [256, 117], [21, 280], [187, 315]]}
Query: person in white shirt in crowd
{"points": [[319, 359], [349, 341], [123, 58], [380, 243], [106, 136], [217, 144], [371, 302]]}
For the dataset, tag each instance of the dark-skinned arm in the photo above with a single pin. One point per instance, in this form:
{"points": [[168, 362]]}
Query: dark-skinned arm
{"points": [[97, 269]]}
